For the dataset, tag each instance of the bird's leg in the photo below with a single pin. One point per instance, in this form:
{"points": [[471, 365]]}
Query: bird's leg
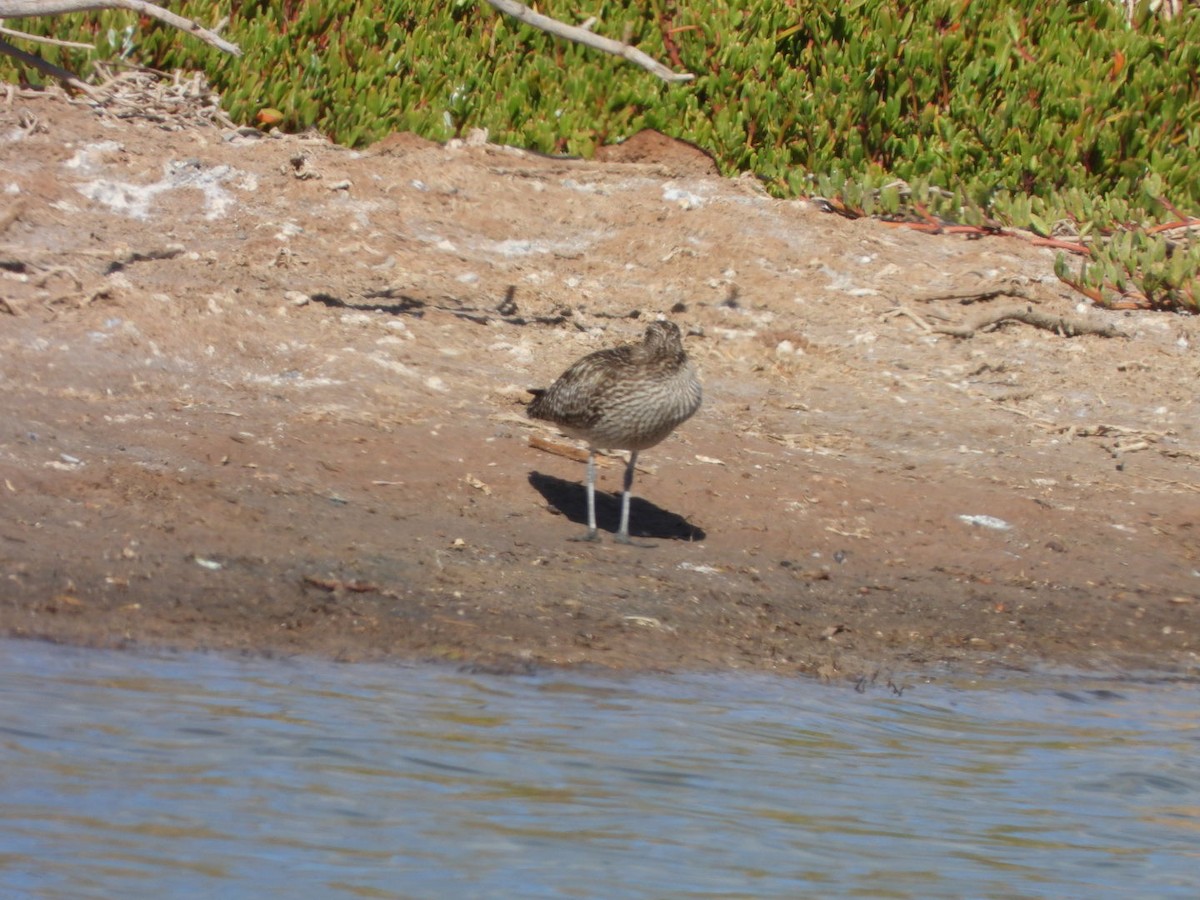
{"points": [[623, 532], [591, 491], [591, 498]]}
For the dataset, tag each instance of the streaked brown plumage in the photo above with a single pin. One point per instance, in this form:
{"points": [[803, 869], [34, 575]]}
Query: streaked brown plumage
{"points": [[623, 398]]}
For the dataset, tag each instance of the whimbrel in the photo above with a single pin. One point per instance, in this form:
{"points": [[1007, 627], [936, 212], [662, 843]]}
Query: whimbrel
{"points": [[622, 398]]}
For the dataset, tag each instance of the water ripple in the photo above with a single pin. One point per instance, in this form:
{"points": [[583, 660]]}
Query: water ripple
{"points": [[182, 776]]}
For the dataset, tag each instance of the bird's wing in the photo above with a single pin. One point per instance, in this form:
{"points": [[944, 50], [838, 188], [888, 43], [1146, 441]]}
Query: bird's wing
{"points": [[577, 398]]}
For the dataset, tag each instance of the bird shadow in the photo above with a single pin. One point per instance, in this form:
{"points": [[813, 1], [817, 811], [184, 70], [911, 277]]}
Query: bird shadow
{"points": [[645, 519]]}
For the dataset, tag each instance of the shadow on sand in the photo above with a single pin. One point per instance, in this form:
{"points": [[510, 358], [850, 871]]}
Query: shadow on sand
{"points": [[645, 519]]}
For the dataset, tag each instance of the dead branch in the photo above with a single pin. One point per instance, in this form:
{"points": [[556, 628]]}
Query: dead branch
{"points": [[10, 9], [968, 297], [42, 39], [582, 36], [559, 449], [174, 103], [23, 8], [1067, 326], [46, 68], [905, 311], [135, 256]]}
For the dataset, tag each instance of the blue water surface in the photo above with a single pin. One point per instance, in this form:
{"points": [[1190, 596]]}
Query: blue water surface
{"points": [[131, 775]]}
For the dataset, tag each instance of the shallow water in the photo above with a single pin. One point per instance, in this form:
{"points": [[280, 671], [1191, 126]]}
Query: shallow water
{"points": [[127, 775]]}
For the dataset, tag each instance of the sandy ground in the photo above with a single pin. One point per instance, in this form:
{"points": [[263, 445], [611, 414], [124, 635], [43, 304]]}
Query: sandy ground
{"points": [[265, 394]]}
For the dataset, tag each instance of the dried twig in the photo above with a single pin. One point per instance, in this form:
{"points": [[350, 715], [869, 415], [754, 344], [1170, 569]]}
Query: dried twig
{"points": [[12, 9], [1059, 244], [47, 68], [603, 457], [334, 585], [1067, 326], [967, 297], [134, 256], [540, 443], [42, 39], [583, 36], [137, 92], [23, 8], [909, 314]]}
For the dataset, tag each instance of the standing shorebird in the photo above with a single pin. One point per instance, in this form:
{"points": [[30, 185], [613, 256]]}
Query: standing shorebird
{"points": [[623, 398]]}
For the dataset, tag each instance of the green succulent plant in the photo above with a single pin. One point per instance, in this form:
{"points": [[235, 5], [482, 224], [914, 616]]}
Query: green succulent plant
{"points": [[1061, 118]]}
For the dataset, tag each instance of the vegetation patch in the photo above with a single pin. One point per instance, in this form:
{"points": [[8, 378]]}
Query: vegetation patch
{"points": [[1067, 120]]}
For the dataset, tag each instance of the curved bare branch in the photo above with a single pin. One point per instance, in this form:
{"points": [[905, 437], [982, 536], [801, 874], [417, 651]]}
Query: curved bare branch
{"points": [[11, 9], [583, 36], [47, 68]]}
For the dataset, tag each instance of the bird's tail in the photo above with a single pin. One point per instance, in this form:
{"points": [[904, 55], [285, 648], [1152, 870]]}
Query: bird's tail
{"points": [[533, 407]]}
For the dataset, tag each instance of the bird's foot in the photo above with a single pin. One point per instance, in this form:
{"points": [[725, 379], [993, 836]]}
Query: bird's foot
{"points": [[630, 542], [592, 537]]}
